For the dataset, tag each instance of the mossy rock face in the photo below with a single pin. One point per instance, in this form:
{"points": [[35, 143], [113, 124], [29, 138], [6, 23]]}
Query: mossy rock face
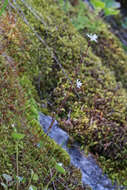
{"points": [[112, 55], [98, 113], [37, 154], [109, 49], [101, 110]]}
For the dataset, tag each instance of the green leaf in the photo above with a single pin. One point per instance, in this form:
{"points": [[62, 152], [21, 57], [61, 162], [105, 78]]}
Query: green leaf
{"points": [[98, 4], [60, 169], [17, 136], [80, 22], [112, 4], [35, 177], [110, 11]]}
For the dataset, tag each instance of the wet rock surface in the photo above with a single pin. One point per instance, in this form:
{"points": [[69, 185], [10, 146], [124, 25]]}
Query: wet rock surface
{"points": [[92, 174]]}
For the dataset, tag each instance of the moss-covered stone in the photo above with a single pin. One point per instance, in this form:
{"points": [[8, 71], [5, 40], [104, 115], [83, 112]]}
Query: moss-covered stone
{"points": [[109, 48], [98, 113], [102, 100], [112, 55], [37, 154]]}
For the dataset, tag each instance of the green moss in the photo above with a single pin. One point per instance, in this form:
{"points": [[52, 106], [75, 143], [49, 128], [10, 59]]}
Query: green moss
{"points": [[108, 48], [19, 109], [100, 102], [100, 113], [98, 117]]}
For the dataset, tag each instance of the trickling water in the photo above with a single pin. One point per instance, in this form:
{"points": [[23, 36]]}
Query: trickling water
{"points": [[92, 174]]}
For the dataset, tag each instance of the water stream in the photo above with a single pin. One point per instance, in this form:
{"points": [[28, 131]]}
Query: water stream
{"points": [[92, 174]]}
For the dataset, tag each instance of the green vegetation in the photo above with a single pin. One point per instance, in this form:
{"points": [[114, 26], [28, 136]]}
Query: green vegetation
{"points": [[3, 5], [97, 114], [109, 50], [24, 164], [109, 7]]}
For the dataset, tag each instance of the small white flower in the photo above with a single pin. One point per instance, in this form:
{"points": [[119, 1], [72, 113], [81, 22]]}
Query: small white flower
{"points": [[60, 164], [13, 125], [78, 83], [93, 37]]}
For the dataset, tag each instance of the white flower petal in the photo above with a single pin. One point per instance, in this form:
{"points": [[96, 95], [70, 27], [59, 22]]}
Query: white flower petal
{"points": [[60, 164], [93, 37], [78, 83], [13, 125]]}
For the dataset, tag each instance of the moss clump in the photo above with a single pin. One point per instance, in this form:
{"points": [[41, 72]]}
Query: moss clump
{"points": [[101, 98], [19, 110], [106, 134], [108, 49], [98, 117]]}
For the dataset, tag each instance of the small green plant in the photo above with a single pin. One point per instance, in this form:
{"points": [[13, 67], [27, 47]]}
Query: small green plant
{"points": [[59, 169], [3, 7], [17, 137], [81, 20], [108, 6]]}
